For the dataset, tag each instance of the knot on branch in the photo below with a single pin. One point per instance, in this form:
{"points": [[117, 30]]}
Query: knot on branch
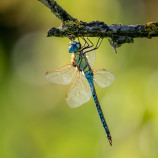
{"points": [[117, 41]]}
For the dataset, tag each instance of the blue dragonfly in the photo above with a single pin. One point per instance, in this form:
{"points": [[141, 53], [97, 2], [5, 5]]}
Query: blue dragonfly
{"points": [[82, 76]]}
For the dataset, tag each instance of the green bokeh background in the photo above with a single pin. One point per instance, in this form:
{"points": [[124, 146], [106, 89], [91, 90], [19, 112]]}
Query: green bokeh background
{"points": [[35, 121]]}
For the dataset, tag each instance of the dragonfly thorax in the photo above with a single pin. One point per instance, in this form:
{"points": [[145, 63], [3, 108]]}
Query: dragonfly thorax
{"points": [[79, 60]]}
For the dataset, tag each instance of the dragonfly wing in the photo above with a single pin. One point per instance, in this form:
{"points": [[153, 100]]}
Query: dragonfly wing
{"points": [[91, 58], [103, 77], [63, 75], [79, 93]]}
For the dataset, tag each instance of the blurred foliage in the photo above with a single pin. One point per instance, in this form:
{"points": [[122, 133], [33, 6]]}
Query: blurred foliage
{"points": [[34, 118]]}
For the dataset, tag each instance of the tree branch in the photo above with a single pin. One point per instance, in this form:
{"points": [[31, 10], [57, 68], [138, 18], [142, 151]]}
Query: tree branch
{"points": [[118, 33]]}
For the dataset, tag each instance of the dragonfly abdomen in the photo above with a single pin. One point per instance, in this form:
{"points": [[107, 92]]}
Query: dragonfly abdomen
{"points": [[89, 76]]}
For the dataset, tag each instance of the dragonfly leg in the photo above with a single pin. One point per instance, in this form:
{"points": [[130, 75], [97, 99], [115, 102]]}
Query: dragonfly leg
{"points": [[90, 42], [88, 46], [78, 39], [84, 43], [97, 45]]}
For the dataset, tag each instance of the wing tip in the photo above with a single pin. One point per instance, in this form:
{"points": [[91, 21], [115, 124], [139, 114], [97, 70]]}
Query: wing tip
{"points": [[71, 105]]}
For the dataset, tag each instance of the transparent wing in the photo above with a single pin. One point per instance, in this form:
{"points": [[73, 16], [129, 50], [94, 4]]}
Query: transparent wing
{"points": [[91, 58], [79, 93], [103, 77], [63, 75]]}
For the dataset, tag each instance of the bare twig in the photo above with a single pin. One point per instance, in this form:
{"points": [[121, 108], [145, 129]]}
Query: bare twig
{"points": [[118, 33]]}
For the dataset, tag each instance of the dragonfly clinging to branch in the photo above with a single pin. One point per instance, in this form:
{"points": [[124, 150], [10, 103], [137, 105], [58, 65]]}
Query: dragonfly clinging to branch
{"points": [[82, 76]]}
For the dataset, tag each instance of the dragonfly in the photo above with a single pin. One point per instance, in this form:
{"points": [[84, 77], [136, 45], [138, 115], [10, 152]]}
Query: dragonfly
{"points": [[82, 77]]}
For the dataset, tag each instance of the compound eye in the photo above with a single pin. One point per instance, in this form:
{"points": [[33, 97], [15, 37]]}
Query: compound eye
{"points": [[74, 42], [78, 45]]}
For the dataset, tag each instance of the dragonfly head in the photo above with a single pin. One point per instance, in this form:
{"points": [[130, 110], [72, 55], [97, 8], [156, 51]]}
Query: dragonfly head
{"points": [[74, 46]]}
